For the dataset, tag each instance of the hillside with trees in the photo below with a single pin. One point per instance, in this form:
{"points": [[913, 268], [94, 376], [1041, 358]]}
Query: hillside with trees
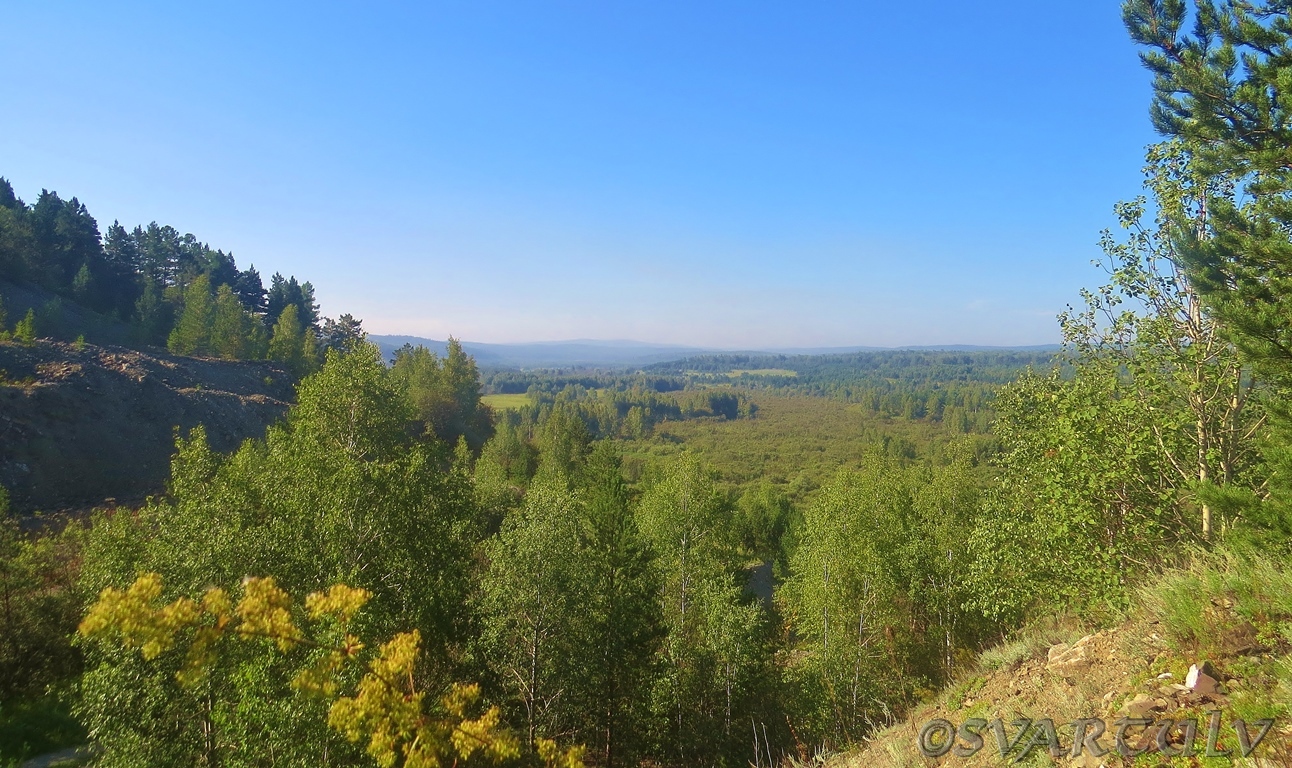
{"points": [[150, 286]]}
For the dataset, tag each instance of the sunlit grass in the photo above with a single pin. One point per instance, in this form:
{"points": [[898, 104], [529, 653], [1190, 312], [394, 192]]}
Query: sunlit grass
{"points": [[505, 402]]}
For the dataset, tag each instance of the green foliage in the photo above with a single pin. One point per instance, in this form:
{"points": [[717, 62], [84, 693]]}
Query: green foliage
{"points": [[152, 317], [533, 601], [1108, 471], [563, 441], [875, 593], [1223, 91], [342, 334], [35, 726], [25, 331], [235, 333], [714, 665], [293, 344], [137, 277], [192, 332], [445, 394], [796, 443], [386, 709], [1081, 480], [82, 284], [39, 608], [762, 517], [570, 612], [954, 388], [624, 622], [338, 493]]}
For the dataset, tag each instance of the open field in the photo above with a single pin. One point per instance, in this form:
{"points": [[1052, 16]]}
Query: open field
{"points": [[794, 441], [505, 402]]}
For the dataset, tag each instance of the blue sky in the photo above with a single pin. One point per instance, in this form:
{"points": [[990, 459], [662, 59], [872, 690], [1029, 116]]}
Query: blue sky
{"points": [[732, 174]]}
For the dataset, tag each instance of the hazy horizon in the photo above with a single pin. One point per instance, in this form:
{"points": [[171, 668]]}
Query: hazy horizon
{"points": [[702, 347]]}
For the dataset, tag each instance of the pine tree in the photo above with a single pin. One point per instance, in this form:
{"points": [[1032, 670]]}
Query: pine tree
{"points": [[1224, 90], [83, 284], [25, 331], [343, 333], [152, 318], [251, 291], [192, 333]]}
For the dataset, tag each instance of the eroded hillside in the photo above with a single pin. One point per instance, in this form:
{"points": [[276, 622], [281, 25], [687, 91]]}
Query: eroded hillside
{"points": [[80, 424]]}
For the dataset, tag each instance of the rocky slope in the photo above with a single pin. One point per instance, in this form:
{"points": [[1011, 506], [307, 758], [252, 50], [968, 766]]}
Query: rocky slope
{"points": [[1131, 678], [81, 424]]}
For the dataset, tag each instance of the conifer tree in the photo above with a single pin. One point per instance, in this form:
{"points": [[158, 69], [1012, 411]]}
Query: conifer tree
{"points": [[192, 332], [288, 343], [230, 327], [25, 331], [83, 284], [1223, 88], [152, 318]]}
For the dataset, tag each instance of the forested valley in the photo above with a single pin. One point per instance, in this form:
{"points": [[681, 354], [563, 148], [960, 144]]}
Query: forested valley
{"points": [[724, 560]]}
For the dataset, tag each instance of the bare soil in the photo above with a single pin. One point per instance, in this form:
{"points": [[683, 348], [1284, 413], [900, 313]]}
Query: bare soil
{"points": [[84, 425]]}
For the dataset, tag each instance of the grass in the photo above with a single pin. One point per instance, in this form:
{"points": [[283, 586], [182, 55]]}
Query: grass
{"points": [[1223, 604], [1005, 656], [506, 402]]}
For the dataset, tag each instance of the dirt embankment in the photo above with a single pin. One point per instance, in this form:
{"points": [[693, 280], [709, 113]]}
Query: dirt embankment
{"points": [[83, 424], [1143, 693]]}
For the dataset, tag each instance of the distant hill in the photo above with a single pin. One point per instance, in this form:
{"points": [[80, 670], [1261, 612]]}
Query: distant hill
{"points": [[625, 354], [551, 354]]}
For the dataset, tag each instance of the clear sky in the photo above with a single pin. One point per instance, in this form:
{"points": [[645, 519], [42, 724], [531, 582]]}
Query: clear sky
{"points": [[731, 174]]}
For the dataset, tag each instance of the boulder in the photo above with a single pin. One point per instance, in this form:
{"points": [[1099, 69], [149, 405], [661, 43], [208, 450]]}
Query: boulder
{"points": [[1199, 682]]}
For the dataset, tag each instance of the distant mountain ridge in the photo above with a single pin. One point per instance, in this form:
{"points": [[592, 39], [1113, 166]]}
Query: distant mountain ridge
{"points": [[625, 353]]}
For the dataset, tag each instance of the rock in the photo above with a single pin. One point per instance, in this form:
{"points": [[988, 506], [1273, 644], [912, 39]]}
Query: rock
{"points": [[1069, 661], [1140, 706], [1165, 676], [1200, 682]]}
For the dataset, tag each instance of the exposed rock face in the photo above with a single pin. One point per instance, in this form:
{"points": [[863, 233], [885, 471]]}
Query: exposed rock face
{"points": [[1069, 661], [79, 426]]}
